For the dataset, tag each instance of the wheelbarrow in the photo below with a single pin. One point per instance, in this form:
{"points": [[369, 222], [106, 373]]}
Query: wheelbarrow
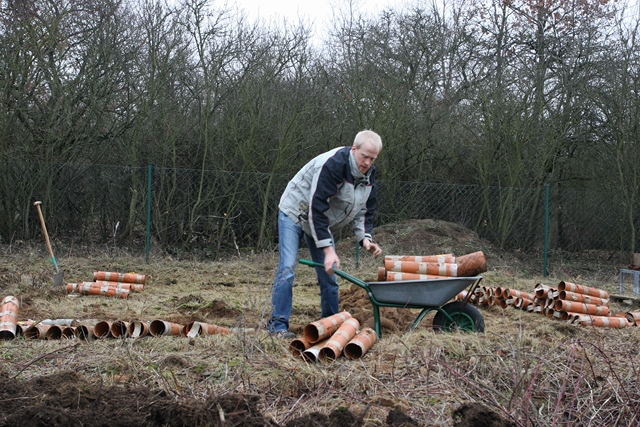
{"points": [[427, 295]]}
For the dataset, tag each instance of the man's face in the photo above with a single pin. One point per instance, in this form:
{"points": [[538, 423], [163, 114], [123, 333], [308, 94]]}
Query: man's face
{"points": [[365, 156]]}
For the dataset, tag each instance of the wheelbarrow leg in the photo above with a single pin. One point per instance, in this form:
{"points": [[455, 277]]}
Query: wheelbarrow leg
{"points": [[376, 319], [419, 318]]}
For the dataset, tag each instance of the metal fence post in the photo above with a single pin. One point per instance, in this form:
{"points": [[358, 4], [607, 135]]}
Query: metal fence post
{"points": [[148, 232], [546, 229]]}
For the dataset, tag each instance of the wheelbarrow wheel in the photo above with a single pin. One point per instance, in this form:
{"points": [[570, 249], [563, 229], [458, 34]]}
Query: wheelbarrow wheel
{"points": [[465, 317]]}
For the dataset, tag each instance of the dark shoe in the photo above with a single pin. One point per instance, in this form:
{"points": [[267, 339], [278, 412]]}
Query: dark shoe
{"points": [[283, 334]]}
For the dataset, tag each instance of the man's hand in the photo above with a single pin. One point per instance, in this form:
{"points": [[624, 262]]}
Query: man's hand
{"points": [[369, 246], [330, 258]]}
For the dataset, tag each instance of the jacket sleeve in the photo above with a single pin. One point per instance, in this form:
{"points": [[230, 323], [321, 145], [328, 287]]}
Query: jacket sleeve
{"points": [[326, 183]]}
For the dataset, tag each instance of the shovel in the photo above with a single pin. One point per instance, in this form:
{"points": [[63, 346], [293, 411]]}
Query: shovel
{"points": [[58, 277]]}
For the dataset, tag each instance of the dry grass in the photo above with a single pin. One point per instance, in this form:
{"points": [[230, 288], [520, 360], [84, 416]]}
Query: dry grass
{"points": [[531, 369]]}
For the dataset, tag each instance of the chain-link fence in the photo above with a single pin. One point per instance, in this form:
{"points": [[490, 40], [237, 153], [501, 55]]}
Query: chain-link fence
{"points": [[213, 212]]}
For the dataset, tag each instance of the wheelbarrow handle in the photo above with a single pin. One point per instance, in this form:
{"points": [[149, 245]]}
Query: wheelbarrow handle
{"points": [[310, 263], [340, 273]]}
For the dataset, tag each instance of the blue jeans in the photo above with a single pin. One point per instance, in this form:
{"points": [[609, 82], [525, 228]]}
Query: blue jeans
{"points": [[289, 234]]}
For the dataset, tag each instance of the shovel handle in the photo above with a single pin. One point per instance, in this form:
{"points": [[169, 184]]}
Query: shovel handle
{"points": [[46, 235]]}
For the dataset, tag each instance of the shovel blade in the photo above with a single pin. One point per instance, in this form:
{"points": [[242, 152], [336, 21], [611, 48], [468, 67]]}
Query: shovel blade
{"points": [[58, 279]]}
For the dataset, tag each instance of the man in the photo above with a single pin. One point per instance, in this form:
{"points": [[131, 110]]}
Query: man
{"points": [[331, 191]]}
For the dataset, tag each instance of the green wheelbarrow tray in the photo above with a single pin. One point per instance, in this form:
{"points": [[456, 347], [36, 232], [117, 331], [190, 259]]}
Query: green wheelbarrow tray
{"points": [[427, 295]]}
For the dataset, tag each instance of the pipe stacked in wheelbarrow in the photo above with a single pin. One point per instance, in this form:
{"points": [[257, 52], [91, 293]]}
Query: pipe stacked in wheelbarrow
{"points": [[408, 268]]}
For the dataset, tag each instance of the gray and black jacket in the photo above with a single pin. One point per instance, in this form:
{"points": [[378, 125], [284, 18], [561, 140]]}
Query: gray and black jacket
{"points": [[328, 193]]}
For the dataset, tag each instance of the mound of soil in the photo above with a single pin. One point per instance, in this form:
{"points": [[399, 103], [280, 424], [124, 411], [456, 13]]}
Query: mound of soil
{"points": [[432, 237], [392, 320]]}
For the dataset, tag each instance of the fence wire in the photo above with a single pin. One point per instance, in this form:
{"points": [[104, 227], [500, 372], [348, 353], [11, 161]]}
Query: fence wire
{"points": [[214, 212]]}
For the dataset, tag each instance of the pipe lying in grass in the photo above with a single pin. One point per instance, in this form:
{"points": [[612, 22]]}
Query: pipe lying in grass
{"points": [[633, 317], [119, 277], [85, 332], [69, 332], [119, 329], [311, 354], [53, 333], [137, 329], [587, 299], [579, 307], [195, 329], [325, 327], [37, 331], [606, 322], [360, 344], [579, 289], [102, 329], [162, 327], [298, 346], [9, 317], [335, 344], [93, 288], [131, 287]]}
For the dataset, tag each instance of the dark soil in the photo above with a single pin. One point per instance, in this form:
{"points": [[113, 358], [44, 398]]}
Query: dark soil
{"points": [[68, 399]]}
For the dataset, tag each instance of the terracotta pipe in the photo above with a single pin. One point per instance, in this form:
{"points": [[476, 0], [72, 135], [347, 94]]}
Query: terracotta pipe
{"points": [[194, 329], [428, 268], [298, 346], [162, 327], [489, 301], [360, 344], [137, 329], [606, 322], [53, 333], [36, 331], [521, 302], [588, 299], [119, 329], [119, 277], [579, 289], [540, 301], [9, 317], [131, 287], [332, 349], [579, 307], [69, 332], [633, 317], [102, 329], [471, 264], [444, 258], [325, 327], [311, 354], [542, 292], [393, 276], [93, 288], [461, 296], [85, 332], [506, 293]]}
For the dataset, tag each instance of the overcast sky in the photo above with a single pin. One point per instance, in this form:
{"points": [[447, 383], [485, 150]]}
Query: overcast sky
{"points": [[317, 12]]}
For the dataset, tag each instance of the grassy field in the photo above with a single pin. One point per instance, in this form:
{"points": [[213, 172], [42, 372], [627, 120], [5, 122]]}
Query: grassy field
{"points": [[525, 370]]}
